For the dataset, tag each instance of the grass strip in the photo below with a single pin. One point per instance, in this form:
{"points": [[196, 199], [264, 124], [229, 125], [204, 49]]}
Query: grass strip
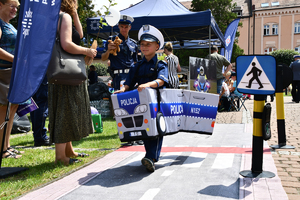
{"points": [[40, 160]]}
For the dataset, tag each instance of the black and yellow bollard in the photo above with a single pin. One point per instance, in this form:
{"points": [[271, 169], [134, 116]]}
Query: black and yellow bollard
{"points": [[284, 77], [257, 142], [280, 123]]}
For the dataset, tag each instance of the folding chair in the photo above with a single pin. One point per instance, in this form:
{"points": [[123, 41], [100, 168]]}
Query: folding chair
{"points": [[238, 102], [233, 103]]}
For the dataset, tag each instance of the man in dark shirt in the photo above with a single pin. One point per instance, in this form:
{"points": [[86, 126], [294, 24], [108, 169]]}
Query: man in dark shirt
{"points": [[125, 59], [295, 66], [93, 76]]}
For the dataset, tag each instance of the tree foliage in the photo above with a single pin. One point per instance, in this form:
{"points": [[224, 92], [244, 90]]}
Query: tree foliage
{"points": [[285, 56], [85, 10], [222, 12], [236, 51], [220, 9]]}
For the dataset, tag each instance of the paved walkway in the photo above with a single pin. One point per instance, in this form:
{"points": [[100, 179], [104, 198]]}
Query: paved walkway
{"points": [[287, 161], [231, 128]]}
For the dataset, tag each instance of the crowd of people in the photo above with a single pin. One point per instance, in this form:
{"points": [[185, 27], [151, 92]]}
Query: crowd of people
{"points": [[68, 107], [8, 36]]}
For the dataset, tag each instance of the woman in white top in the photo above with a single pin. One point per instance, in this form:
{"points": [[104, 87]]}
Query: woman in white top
{"points": [[225, 92], [173, 65]]}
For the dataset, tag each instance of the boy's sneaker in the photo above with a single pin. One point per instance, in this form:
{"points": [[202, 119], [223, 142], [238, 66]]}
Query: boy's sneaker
{"points": [[148, 164]]}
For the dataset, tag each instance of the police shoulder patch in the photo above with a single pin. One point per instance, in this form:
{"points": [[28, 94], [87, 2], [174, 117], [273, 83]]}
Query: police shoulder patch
{"points": [[133, 40], [163, 61]]}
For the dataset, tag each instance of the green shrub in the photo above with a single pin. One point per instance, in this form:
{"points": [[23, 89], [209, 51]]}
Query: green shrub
{"points": [[101, 69], [285, 56]]}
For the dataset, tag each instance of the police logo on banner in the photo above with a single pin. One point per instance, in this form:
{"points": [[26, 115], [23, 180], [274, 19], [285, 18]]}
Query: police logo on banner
{"points": [[227, 41], [27, 23]]}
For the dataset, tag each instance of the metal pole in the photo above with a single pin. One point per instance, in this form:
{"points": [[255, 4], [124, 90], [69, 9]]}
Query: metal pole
{"points": [[253, 30], [257, 143], [209, 40], [249, 39]]}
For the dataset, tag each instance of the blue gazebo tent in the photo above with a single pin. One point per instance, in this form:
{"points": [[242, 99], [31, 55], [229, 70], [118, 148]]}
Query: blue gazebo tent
{"points": [[175, 22]]}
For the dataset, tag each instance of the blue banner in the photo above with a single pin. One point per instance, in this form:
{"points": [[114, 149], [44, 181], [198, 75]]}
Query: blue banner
{"points": [[229, 38], [37, 26]]}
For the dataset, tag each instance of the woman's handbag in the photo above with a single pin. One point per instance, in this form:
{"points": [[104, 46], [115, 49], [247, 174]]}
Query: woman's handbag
{"points": [[5, 75], [65, 68]]}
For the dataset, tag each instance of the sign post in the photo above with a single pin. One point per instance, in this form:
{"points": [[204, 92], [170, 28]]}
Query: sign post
{"points": [[256, 74]]}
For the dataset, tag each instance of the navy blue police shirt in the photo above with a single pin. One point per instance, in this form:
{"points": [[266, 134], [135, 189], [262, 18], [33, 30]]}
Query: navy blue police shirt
{"points": [[147, 68], [127, 55]]}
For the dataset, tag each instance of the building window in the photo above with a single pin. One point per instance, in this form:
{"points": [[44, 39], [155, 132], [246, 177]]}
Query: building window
{"points": [[297, 27], [266, 30], [275, 29], [263, 5], [238, 10], [269, 50], [275, 3], [297, 49]]}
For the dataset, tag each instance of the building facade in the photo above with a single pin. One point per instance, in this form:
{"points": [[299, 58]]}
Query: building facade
{"points": [[269, 25]]}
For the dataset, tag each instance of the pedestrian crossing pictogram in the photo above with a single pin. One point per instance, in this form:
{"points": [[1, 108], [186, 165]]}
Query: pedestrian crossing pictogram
{"points": [[256, 74]]}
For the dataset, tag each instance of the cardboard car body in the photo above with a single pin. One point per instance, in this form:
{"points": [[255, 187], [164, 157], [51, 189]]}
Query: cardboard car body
{"points": [[142, 115]]}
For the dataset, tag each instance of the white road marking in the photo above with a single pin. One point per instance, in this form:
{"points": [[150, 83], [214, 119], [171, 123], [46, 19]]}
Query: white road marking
{"points": [[194, 160], [167, 173], [168, 158], [150, 194], [223, 160]]}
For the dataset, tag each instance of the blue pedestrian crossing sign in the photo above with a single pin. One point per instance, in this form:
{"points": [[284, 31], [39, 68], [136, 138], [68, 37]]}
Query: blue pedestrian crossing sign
{"points": [[256, 74]]}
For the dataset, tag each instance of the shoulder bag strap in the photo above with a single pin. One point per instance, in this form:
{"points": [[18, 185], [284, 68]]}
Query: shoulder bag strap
{"points": [[157, 89], [58, 30]]}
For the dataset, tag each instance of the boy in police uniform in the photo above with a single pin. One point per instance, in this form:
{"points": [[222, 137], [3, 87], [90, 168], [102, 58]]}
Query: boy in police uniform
{"points": [[150, 40], [125, 59]]}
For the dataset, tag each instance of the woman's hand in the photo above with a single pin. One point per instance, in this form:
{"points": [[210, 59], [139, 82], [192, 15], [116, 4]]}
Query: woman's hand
{"points": [[91, 52], [75, 8]]}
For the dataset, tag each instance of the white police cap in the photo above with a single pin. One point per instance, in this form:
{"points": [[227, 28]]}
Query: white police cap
{"points": [[126, 19], [151, 34], [296, 56]]}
